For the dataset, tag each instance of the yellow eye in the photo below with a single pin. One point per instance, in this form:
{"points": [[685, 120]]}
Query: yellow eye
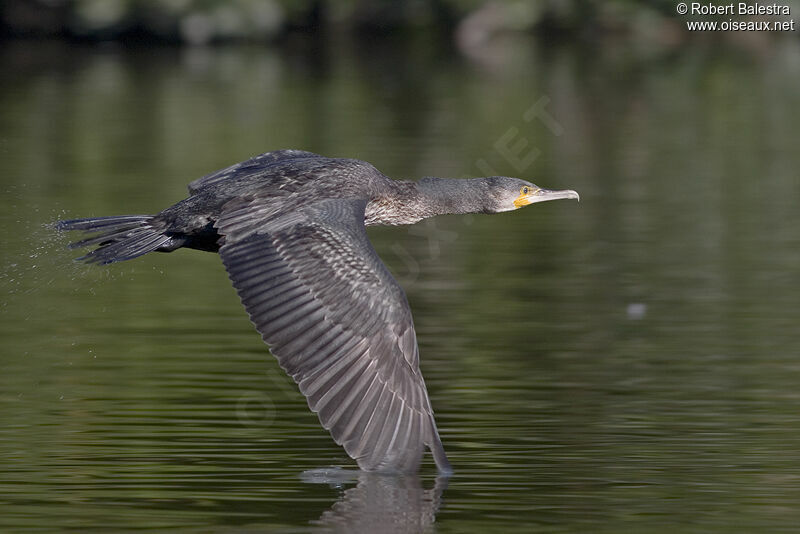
{"points": [[525, 190]]}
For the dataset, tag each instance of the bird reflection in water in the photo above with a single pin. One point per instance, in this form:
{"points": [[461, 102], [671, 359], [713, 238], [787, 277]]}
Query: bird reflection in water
{"points": [[378, 502]]}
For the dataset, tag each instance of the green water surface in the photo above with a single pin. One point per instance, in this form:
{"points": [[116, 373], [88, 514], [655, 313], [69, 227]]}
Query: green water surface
{"points": [[630, 363]]}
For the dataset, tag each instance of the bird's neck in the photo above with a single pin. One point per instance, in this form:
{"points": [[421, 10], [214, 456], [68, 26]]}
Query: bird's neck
{"points": [[410, 202]]}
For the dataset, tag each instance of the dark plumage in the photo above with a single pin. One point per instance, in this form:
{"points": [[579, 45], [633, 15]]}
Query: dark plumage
{"points": [[290, 228]]}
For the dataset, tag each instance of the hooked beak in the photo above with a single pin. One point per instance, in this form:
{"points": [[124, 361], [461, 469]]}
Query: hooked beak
{"points": [[543, 195]]}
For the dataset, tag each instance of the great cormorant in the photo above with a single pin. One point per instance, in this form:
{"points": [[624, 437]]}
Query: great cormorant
{"points": [[289, 226]]}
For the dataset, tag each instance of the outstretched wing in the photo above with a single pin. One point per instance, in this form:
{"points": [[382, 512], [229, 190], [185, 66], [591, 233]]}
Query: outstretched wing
{"points": [[338, 323], [256, 164]]}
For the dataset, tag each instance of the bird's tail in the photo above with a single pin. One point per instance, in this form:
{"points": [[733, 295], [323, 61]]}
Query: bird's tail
{"points": [[119, 238]]}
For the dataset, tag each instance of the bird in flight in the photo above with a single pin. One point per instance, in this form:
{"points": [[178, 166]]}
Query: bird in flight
{"points": [[290, 227]]}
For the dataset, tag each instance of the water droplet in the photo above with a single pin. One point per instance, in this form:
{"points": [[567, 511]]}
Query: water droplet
{"points": [[637, 310]]}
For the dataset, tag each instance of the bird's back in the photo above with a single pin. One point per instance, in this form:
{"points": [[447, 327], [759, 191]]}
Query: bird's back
{"points": [[282, 173], [282, 181]]}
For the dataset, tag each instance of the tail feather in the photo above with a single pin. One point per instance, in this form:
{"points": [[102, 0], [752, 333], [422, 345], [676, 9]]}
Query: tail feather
{"points": [[97, 223], [120, 238], [101, 238]]}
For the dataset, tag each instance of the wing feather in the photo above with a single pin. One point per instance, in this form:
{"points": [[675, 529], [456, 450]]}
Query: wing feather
{"points": [[251, 166], [372, 430], [337, 322], [355, 394]]}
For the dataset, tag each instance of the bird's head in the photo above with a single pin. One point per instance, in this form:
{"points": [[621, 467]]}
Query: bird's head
{"points": [[493, 194], [506, 194]]}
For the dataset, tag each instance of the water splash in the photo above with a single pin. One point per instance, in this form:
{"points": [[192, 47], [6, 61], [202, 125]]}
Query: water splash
{"points": [[41, 258], [333, 476]]}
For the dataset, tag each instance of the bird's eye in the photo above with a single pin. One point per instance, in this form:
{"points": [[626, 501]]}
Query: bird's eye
{"points": [[525, 190]]}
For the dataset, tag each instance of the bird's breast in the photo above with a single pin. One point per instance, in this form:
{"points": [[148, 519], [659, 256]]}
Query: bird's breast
{"points": [[388, 212]]}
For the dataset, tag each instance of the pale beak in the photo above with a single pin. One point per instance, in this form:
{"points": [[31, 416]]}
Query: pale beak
{"points": [[543, 195]]}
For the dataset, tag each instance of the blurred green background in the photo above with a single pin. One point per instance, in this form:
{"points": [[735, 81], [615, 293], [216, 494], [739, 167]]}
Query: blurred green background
{"points": [[629, 363], [202, 21]]}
